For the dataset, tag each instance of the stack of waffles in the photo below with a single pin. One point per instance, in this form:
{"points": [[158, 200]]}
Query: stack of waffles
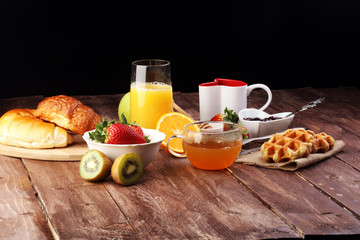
{"points": [[295, 143]]}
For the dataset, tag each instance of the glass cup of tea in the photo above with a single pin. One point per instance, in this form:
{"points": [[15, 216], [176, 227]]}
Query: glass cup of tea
{"points": [[210, 145], [150, 91]]}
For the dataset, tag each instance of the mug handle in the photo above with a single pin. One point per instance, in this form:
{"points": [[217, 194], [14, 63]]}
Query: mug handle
{"points": [[262, 86], [180, 155]]}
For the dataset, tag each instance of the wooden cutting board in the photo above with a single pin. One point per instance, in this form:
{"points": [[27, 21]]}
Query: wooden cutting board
{"points": [[74, 152]]}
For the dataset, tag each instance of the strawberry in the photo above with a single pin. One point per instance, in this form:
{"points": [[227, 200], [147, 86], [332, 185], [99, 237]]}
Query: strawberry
{"points": [[134, 125], [245, 132], [119, 133], [116, 133], [230, 116], [137, 129], [217, 117]]}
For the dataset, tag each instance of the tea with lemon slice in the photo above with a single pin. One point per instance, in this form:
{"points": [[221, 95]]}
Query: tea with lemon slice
{"points": [[212, 146], [212, 155]]}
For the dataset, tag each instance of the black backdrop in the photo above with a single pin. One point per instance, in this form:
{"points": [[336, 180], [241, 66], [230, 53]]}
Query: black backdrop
{"points": [[57, 47]]}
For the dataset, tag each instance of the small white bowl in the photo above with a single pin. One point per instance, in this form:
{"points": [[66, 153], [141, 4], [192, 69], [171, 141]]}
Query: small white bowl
{"points": [[147, 151], [261, 128]]}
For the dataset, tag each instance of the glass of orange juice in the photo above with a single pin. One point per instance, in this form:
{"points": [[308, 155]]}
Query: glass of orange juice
{"points": [[211, 145], [150, 91]]}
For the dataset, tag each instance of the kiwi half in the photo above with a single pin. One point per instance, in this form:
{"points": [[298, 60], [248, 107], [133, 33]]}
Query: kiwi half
{"points": [[127, 169], [95, 166]]}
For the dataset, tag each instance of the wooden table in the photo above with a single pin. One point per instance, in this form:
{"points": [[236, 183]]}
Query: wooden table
{"points": [[173, 200]]}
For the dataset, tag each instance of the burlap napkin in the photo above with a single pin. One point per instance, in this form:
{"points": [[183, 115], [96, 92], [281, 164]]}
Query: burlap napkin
{"points": [[255, 159]]}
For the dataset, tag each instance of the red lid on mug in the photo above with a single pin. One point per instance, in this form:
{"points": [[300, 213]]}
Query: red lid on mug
{"points": [[224, 82]]}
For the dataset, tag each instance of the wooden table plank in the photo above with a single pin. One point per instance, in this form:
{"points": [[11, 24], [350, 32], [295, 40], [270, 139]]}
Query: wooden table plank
{"points": [[338, 180], [190, 102], [76, 208], [105, 105], [341, 121], [153, 207], [345, 120], [326, 175], [143, 212], [209, 204], [322, 119], [19, 102], [336, 109], [21, 216], [336, 116], [349, 96], [297, 202], [176, 201]]}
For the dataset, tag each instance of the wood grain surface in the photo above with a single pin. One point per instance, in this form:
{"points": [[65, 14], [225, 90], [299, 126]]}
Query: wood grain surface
{"points": [[174, 200], [21, 216]]}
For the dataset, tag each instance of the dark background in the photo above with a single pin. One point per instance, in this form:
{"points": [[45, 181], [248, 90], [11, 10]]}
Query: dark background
{"points": [[74, 48]]}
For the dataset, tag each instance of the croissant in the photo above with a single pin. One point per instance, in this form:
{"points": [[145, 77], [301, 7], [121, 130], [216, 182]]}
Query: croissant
{"points": [[68, 112], [19, 127]]}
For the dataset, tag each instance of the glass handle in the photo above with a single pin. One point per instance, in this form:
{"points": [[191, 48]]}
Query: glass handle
{"points": [[181, 155]]}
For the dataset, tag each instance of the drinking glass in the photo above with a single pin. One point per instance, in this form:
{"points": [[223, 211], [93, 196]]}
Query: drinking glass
{"points": [[210, 145], [150, 91]]}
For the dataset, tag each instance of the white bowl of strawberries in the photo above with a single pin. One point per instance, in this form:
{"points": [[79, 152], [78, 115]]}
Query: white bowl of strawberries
{"points": [[115, 139]]}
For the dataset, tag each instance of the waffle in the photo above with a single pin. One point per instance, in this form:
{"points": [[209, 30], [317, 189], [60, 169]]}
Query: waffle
{"points": [[292, 144], [323, 143]]}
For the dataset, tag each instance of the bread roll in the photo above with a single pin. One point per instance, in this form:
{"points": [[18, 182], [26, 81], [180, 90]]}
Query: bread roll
{"points": [[19, 127], [68, 112]]}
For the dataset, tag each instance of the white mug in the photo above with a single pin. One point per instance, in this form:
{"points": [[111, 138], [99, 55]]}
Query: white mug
{"points": [[215, 96]]}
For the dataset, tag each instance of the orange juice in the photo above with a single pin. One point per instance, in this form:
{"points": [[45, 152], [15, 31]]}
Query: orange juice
{"points": [[212, 155], [148, 102]]}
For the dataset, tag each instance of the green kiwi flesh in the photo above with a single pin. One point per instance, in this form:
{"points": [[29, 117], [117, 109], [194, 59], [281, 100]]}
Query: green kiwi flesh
{"points": [[127, 169], [95, 166]]}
